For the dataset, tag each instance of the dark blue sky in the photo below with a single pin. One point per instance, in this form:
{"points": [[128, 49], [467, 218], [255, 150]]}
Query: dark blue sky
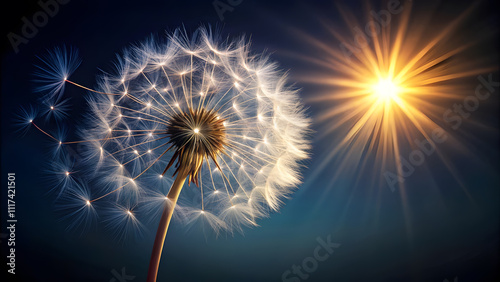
{"points": [[440, 233]]}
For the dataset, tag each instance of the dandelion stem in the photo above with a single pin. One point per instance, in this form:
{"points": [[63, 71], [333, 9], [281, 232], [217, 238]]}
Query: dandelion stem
{"points": [[166, 216]]}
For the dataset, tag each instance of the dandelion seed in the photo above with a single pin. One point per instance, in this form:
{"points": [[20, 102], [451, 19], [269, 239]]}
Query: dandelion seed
{"points": [[54, 70]]}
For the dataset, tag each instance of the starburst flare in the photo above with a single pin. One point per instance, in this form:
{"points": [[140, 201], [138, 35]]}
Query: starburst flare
{"points": [[386, 86]]}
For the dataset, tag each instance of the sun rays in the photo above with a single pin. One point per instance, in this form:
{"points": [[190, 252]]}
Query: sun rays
{"points": [[390, 82]]}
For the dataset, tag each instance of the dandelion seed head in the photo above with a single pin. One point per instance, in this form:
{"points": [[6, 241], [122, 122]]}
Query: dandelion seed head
{"points": [[205, 121]]}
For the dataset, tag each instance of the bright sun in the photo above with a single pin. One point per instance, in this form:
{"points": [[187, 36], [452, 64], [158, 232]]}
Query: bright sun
{"points": [[386, 89]]}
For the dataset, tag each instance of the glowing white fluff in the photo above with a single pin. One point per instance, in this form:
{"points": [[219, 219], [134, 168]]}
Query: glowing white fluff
{"points": [[265, 129]]}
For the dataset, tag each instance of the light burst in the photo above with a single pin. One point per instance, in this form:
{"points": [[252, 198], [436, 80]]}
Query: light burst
{"points": [[225, 119], [387, 85]]}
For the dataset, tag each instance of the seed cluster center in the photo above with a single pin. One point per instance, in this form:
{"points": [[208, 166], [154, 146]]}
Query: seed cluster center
{"points": [[195, 135]]}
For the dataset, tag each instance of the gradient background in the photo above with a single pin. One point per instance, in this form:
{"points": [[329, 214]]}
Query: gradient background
{"points": [[437, 233]]}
